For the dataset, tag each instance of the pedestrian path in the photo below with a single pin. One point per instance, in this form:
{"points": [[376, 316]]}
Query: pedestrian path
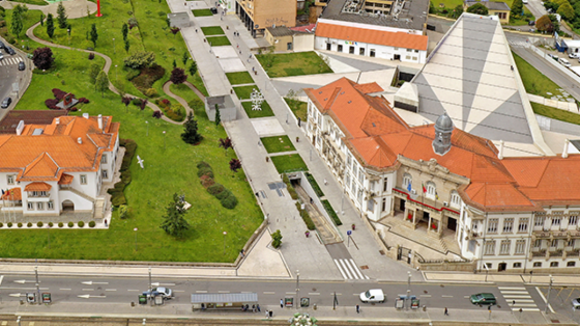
{"points": [[10, 61], [518, 297], [349, 270]]}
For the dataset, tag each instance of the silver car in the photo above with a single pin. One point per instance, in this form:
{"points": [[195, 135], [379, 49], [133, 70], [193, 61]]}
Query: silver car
{"points": [[164, 292], [576, 303]]}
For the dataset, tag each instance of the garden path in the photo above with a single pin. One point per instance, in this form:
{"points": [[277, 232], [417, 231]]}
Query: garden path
{"points": [[107, 67], [74, 8], [179, 99]]}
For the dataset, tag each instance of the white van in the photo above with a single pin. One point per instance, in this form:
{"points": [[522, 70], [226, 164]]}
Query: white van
{"points": [[564, 62], [373, 295]]}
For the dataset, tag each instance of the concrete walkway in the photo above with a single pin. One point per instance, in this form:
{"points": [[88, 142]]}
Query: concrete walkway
{"points": [[74, 8]]}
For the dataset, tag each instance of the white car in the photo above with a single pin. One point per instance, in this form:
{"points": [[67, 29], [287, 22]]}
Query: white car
{"points": [[374, 295], [525, 2], [576, 303], [573, 55]]}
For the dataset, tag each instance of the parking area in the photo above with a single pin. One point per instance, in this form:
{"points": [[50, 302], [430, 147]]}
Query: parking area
{"points": [[561, 300]]}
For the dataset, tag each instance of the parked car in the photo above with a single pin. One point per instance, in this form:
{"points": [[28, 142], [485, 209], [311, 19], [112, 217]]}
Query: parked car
{"points": [[2, 46], [374, 295], [553, 56], [576, 303], [6, 103], [573, 55], [164, 292], [21, 66], [1, 56], [10, 50], [532, 22], [525, 2], [483, 298], [213, 10], [564, 62]]}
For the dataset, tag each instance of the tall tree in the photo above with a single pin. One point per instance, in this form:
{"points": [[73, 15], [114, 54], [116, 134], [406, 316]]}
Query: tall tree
{"points": [[193, 68], [174, 223], [544, 24], [41, 19], [235, 165], [94, 35], [50, 26], [127, 45], [16, 25], [94, 71], [185, 58], [190, 134], [517, 7], [125, 31], [42, 58], [102, 82], [61, 13], [479, 9], [218, 117], [178, 76]]}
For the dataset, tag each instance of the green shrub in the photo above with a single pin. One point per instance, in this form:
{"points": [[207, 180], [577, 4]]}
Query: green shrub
{"points": [[151, 92], [276, 239], [206, 181], [9, 224], [314, 185], [1, 224], [132, 73], [139, 60], [60, 224], [216, 189], [148, 76], [29, 224], [223, 194], [203, 164], [19, 224], [289, 186], [205, 171], [229, 202], [71, 224], [117, 194], [331, 212], [50, 224], [39, 224], [92, 224], [306, 217], [136, 101], [81, 224], [123, 212]]}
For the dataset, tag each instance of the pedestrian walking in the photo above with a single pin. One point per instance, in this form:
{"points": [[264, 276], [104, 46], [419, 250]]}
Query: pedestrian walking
{"points": [[250, 56], [106, 224], [446, 312], [357, 309], [267, 313], [240, 51], [271, 313], [325, 182], [258, 308], [281, 303], [196, 30], [253, 308]]}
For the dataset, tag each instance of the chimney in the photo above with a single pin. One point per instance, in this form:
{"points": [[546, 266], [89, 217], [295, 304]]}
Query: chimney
{"points": [[100, 120], [79, 140], [56, 121], [500, 153], [85, 115], [20, 127], [565, 151]]}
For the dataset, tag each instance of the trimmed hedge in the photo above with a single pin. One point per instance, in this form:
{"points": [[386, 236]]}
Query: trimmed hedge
{"points": [[289, 186], [331, 212], [39, 224], [60, 224], [226, 197], [314, 185], [117, 194], [71, 224], [92, 224], [81, 224], [306, 217]]}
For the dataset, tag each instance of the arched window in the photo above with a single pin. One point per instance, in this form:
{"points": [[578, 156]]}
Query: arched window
{"points": [[431, 190], [407, 181], [455, 199]]}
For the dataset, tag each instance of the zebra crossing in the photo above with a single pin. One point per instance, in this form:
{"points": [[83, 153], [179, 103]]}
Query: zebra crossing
{"points": [[349, 270], [10, 61], [520, 296]]}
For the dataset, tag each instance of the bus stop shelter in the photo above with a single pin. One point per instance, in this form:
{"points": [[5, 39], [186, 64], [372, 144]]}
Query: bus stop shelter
{"points": [[223, 300]]}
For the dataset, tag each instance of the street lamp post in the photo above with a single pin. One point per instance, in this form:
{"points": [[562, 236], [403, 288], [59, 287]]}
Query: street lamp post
{"points": [[149, 279], [225, 233], [18, 320], [549, 291], [135, 229], [37, 283], [297, 287], [116, 78], [164, 140], [147, 123]]}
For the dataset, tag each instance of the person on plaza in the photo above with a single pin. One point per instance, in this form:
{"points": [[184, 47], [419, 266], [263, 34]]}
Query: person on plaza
{"points": [[281, 303], [258, 308], [357, 309], [267, 313], [446, 312]]}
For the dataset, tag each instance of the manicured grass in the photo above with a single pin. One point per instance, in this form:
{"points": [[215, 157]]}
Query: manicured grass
{"points": [[170, 167], [218, 40], [277, 144], [265, 112], [314, 185], [33, 2], [245, 92], [289, 163], [212, 30], [30, 18], [201, 12], [331, 212], [293, 64], [299, 108], [534, 81], [554, 113], [242, 77]]}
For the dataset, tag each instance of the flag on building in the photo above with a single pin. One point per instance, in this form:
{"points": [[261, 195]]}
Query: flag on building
{"points": [[436, 195], [424, 189], [409, 187]]}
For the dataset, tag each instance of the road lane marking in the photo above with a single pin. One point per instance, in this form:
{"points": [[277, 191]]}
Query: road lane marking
{"points": [[133, 290], [339, 294], [246, 292], [88, 289], [523, 300], [313, 293], [514, 292], [522, 305], [511, 288], [425, 295], [526, 309], [178, 291], [544, 298], [447, 296], [467, 297], [65, 289], [290, 292], [512, 297], [223, 291], [339, 269], [110, 290], [269, 292], [1, 279]]}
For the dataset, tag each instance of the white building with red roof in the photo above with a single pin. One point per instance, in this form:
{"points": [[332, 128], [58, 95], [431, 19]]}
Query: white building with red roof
{"points": [[46, 170], [446, 188]]}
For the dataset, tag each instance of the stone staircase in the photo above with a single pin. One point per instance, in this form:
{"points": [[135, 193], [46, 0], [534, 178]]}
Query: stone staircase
{"points": [[74, 191]]}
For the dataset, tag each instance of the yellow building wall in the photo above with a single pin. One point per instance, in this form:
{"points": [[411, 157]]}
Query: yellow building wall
{"points": [[275, 12]]}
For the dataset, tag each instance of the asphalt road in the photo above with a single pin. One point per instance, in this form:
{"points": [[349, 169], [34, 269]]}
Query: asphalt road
{"points": [[65, 289], [9, 74]]}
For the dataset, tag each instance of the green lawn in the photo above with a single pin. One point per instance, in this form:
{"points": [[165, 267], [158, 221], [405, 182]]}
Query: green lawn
{"points": [[218, 40], [555, 113], [534, 81], [244, 92], [299, 108], [293, 64], [242, 77], [201, 12], [289, 163], [265, 112], [277, 144], [212, 30], [449, 5], [170, 167], [33, 2]]}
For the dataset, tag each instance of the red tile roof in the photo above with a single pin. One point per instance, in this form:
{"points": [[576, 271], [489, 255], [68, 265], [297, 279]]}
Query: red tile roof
{"points": [[377, 135], [372, 36], [37, 186]]}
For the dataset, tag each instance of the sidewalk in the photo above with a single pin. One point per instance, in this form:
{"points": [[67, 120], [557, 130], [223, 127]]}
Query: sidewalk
{"points": [[535, 279]]}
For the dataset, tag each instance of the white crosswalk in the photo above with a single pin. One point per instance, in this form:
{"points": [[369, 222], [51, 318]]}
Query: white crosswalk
{"points": [[349, 270], [10, 61], [521, 296]]}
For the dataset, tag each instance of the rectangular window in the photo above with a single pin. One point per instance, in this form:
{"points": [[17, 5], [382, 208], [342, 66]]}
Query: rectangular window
{"points": [[523, 224], [50, 205], [571, 264], [361, 176], [361, 51], [339, 48], [505, 247], [40, 206], [537, 243], [104, 159], [385, 184], [570, 243], [556, 220], [492, 226], [371, 205], [384, 208], [105, 174], [30, 206], [348, 160], [554, 243], [10, 179], [539, 219], [508, 224], [488, 265], [573, 219], [538, 264], [372, 53], [517, 265], [359, 195], [351, 50], [554, 264], [520, 246], [490, 247], [347, 180], [83, 179]]}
